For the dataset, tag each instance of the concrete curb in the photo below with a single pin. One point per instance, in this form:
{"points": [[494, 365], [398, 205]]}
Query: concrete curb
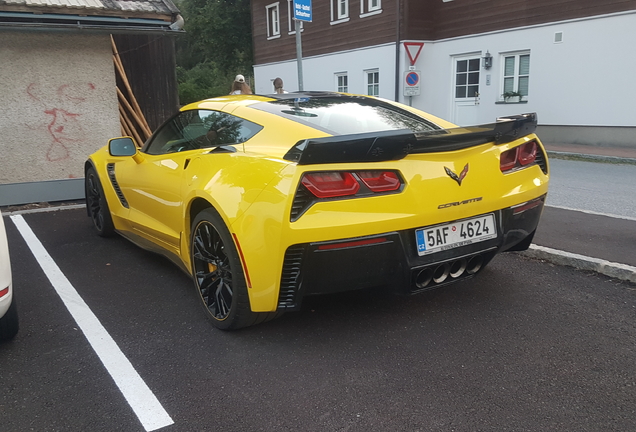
{"points": [[591, 158], [582, 262]]}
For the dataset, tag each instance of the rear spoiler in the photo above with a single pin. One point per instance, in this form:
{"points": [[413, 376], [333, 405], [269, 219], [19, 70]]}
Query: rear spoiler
{"points": [[394, 145]]}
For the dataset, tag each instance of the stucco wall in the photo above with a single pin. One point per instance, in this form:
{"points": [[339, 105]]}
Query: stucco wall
{"points": [[58, 101]]}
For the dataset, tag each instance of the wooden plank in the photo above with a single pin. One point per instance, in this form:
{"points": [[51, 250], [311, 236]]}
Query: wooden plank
{"points": [[124, 126], [131, 127], [130, 109], [150, 66], [122, 74]]}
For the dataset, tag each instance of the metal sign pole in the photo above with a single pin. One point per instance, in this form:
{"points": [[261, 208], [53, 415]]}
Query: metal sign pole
{"points": [[299, 55]]}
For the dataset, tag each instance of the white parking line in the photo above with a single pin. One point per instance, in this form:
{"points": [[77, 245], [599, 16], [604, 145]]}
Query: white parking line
{"points": [[140, 398]]}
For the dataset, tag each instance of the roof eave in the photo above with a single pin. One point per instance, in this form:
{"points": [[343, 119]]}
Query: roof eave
{"points": [[19, 21], [88, 28]]}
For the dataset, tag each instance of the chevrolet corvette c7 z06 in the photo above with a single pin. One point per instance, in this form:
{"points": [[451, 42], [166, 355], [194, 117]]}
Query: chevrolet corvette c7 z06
{"points": [[264, 200]]}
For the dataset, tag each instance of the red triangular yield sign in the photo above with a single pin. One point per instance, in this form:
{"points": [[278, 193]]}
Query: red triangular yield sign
{"points": [[413, 50]]}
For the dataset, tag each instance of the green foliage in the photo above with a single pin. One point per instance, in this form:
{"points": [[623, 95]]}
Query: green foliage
{"points": [[203, 81], [510, 94], [217, 46]]}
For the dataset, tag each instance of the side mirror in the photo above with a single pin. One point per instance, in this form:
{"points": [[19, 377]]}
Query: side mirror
{"points": [[122, 147]]}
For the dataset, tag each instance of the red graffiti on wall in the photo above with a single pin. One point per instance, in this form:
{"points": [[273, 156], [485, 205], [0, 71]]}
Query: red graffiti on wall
{"points": [[61, 108]]}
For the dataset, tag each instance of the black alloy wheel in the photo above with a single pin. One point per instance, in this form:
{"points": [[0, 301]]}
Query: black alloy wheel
{"points": [[218, 274], [97, 206], [213, 271]]}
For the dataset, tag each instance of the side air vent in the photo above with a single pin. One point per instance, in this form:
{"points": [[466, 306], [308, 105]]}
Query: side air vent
{"points": [[290, 280], [302, 201], [111, 175], [540, 160]]}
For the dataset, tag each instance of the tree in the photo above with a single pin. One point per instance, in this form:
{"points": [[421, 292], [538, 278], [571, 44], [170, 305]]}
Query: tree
{"points": [[217, 46]]}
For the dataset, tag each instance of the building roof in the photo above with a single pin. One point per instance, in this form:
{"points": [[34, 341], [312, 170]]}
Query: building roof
{"points": [[160, 7], [114, 15]]}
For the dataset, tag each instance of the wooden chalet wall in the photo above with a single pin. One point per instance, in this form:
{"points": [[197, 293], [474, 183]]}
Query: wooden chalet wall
{"points": [[466, 17], [149, 61], [421, 20], [320, 36]]}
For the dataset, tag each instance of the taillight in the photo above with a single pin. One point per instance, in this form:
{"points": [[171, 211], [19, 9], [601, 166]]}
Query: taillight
{"points": [[519, 156], [508, 159], [380, 181], [4, 292], [331, 184], [527, 153], [334, 184]]}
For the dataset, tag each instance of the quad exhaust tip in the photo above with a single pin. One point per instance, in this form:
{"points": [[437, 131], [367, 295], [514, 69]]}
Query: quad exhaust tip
{"points": [[474, 264], [454, 269]]}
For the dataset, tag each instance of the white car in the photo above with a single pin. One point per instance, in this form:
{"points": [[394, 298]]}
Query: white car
{"points": [[8, 311]]}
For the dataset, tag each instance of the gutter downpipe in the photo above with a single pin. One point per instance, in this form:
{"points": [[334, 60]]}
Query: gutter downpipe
{"points": [[397, 52]]}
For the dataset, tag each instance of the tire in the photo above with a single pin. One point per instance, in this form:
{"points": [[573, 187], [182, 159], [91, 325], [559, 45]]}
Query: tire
{"points": [[96, 204], [9, 324], [218, 275]]}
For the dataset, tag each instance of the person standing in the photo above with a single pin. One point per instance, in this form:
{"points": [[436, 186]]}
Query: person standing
{"points": [[278, 86], [239, 86]]}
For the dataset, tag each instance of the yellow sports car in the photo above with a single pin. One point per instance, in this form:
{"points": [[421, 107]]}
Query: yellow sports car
{"points": [[267, 199]]}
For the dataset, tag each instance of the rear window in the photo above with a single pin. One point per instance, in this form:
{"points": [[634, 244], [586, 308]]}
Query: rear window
{"points": [[343, 115]]}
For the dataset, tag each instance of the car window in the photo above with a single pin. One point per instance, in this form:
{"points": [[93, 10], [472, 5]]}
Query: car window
{"points": [[342, 115], [195, 129]]}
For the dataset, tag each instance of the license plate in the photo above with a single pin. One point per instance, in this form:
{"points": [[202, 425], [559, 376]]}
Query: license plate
{"points": [[456, 234]]}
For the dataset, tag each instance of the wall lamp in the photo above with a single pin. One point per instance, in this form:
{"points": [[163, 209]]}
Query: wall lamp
{"points": [[487, 60]]}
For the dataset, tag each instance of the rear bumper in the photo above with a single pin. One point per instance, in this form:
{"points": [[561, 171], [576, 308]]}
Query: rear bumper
{"points": [[391, 259]]}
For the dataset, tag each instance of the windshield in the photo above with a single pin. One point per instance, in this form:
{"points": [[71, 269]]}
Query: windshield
{"points": [[343, 115]]}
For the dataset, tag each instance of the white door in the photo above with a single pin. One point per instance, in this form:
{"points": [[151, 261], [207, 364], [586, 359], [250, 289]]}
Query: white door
{"points": [[465, 90]]}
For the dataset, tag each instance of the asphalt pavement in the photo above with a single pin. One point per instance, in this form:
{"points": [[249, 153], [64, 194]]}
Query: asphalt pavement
{"points": [[587, 240], [525, 346]]}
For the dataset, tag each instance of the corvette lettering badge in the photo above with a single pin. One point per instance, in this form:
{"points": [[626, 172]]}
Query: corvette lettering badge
{"points": [[457, 178]]}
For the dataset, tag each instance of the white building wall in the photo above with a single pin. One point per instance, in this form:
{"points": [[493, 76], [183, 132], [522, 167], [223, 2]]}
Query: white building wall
{"points": [[583, 80], [59, 104], [319, 72], [586, 80]]}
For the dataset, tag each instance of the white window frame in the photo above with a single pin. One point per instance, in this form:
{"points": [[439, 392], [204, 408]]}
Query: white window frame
{"points": [[467, 74], [342, 88], [375, 84], [370, 9], [291, 26], [273, 20], [516, 75], [336, 16]]}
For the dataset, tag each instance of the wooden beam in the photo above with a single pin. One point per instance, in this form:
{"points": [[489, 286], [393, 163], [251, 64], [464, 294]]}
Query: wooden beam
{"points": [[131, 110], [131, 127], [122, 74]]}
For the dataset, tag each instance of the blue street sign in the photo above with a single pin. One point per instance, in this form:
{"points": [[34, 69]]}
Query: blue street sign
{"points": [[412, 78], [412, 83], [302, 10]]}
